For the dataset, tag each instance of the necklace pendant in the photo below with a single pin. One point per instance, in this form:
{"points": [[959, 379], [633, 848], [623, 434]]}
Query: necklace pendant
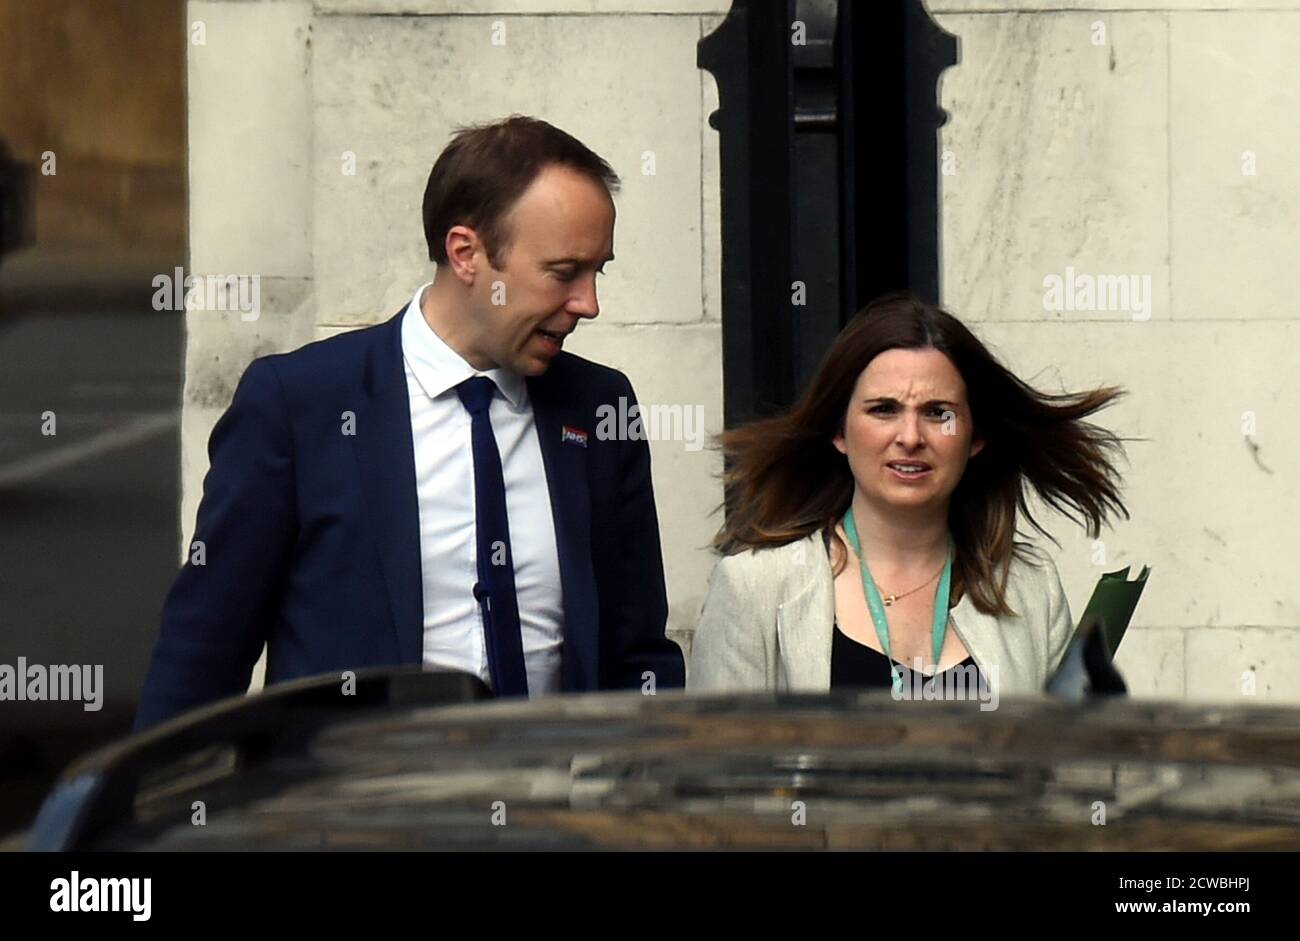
{"points": [[890, 599]]}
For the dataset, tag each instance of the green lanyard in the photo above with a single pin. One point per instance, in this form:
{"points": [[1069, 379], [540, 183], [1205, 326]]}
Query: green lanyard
{"points": [[877, 607]]}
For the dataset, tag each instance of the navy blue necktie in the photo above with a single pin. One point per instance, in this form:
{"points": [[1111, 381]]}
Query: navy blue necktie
{"points": [[495, 590]]}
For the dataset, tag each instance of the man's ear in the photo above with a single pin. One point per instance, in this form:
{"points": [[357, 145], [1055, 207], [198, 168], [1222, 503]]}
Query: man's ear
{"points": [[462, 246]]}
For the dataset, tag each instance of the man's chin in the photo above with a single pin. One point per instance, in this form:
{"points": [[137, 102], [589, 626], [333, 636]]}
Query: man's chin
{"points": [[536, 356], [534, 366]]}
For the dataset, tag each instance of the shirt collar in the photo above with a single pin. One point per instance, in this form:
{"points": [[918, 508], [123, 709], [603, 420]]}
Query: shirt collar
{"points": [[438, 368]]}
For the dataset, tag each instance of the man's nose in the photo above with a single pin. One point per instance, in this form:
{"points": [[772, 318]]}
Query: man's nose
{"points": [[583, 302]]}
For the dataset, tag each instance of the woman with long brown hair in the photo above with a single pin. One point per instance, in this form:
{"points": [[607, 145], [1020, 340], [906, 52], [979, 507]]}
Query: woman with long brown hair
{"points": [[873, 526]]}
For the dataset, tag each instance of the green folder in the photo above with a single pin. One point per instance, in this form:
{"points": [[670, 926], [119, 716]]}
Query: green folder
{"points": [[1112, 603]]}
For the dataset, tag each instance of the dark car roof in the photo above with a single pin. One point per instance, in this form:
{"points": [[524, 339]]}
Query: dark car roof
{"points": [[692, 771]]}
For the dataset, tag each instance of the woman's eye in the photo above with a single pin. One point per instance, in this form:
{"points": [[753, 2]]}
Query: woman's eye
{"points": [[937, 412]]}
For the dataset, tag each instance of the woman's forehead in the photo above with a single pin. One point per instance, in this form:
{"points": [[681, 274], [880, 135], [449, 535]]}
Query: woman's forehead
{"points": [[907, 374]]}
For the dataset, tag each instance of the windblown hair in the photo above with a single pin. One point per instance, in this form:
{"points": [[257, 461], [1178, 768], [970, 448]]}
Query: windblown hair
{"points": [[786, 480]]}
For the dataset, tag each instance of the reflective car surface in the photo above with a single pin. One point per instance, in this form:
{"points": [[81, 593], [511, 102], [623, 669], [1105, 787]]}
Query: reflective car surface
{"points": [[685, 771]]}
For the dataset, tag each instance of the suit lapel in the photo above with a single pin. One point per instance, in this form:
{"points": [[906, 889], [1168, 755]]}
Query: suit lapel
{"points": [[385, 457], [386, 460], [565, 463]]}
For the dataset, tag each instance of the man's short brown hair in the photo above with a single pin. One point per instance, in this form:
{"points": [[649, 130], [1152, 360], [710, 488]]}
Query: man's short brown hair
{"points": [[478, 178]]}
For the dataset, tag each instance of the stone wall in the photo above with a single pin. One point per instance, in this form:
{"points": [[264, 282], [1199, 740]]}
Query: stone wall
{"points": [[1156, 139], [1161, 145]]}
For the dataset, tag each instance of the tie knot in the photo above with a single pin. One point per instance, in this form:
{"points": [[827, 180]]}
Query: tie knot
{"points": [[476, 393]]}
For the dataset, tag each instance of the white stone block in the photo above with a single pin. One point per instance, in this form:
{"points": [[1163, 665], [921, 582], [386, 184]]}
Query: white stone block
{"points": [[391, 91], [675, 366], [1234, 175], [531, 7], [1224, 664], [1151, 660], [250, 138], [1060, 166], [219, 345], [711, 187], [1213, 516], [1103, 6]]}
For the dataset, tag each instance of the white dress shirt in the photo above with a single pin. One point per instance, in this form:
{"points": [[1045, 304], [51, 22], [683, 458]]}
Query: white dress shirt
{"points": [[444, 479]]}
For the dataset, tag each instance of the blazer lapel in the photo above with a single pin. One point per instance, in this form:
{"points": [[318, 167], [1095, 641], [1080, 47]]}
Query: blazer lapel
{"points": [[386, 460], [565, 463], [803, 623], [982, 634]]}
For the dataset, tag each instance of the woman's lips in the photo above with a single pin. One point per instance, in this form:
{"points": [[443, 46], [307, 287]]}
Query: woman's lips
{"points": [[925, 471]]}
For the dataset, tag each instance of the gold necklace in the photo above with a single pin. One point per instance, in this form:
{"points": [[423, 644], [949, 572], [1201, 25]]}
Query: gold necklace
{"points": [[890, 599]]}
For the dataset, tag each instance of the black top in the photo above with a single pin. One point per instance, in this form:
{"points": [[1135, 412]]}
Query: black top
{"points": [[855, 665]]}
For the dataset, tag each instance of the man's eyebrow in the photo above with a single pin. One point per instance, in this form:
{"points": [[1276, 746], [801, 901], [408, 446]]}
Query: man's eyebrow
{"points": [[577, 261]]}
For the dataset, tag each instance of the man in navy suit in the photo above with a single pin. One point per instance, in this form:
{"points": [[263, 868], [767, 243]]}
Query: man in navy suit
{"points": [[430, 490]]}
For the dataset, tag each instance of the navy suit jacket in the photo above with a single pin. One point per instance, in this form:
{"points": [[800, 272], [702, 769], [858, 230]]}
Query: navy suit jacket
{"points": [[310, 536]]}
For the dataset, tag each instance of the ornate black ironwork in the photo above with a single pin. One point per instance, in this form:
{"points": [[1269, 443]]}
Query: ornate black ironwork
{"points": [[828, 121]]}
